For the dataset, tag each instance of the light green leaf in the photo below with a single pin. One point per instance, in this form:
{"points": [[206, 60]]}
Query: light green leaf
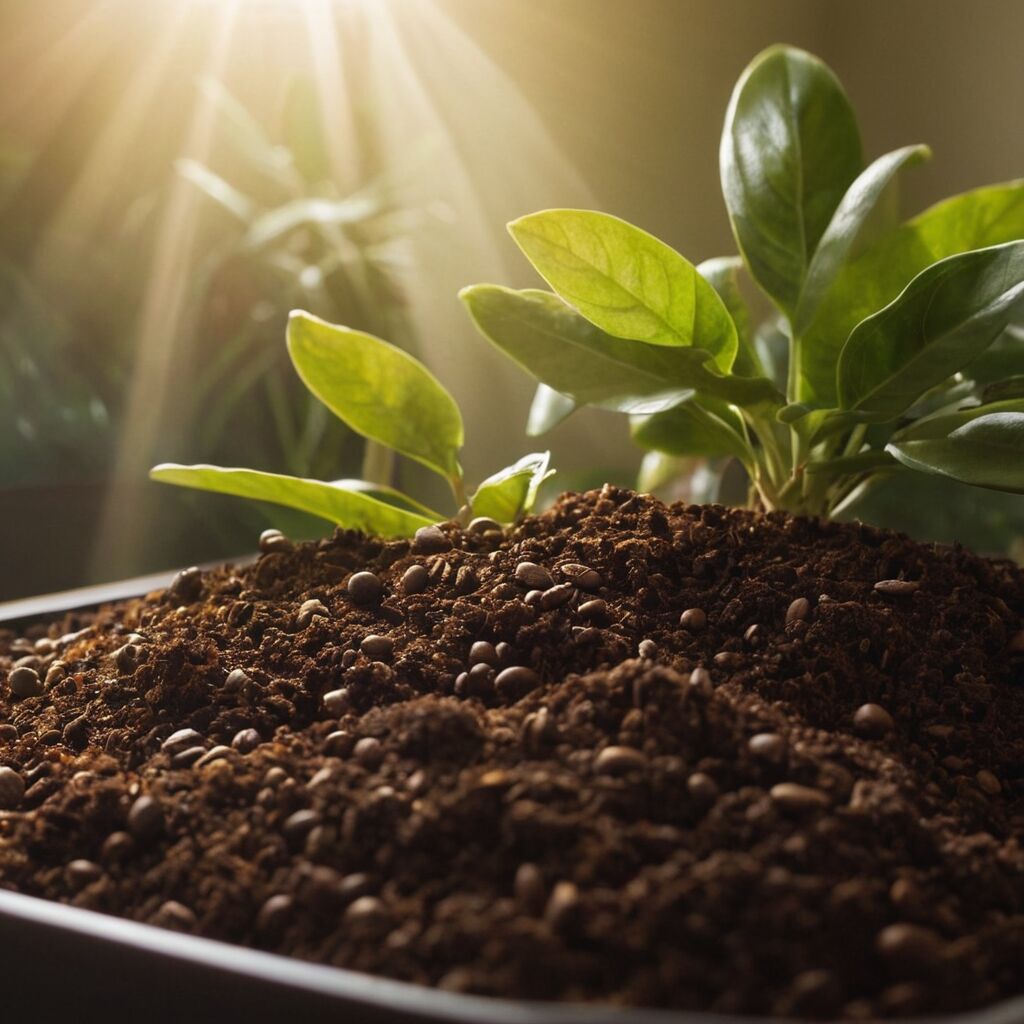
{"points": [[511, 492], [790, 149], [946, 316], [658, 469], [722, 273], [691, 429], [380, 391], [569, 354], [348, 507], [867, 283], [626, 281], [548, 409], [987, 452], [845, 228]]}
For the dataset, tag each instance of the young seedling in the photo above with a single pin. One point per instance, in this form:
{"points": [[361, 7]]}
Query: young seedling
{"points": [[881, 322], [386, 396]]}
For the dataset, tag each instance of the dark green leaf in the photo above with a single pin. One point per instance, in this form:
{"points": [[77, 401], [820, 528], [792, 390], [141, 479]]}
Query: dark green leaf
{"points": [[943, 423], [974, 220], [511, 492], [380, 391], [569, 354], [1009, 387], [626, 281], [947, 316], [790, 149], [846, 227], [850, 465], [548, 409], [987, 452], [353, 509]]}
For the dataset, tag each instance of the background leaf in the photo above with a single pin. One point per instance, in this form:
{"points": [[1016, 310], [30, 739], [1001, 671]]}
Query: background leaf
{"points": [[510, 492], [986, 452], [380, 391], [691, 429], [626, 281], [571, 355], [944, 318], [974, 220], [353, 509], [790, 149], [548, 409]]}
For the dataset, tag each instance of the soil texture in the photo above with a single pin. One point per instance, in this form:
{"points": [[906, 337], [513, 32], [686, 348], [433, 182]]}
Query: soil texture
{"points": [[681, 756]]}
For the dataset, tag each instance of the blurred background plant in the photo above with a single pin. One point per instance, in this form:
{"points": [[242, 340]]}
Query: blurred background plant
{"points": [[176, 174]]}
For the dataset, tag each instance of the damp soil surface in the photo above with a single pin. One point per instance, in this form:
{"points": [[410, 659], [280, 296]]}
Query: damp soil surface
{"points": [[678, 756]]}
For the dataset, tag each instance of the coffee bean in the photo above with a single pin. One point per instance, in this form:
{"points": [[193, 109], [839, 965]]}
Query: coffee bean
{"points": [[117, 848], [700, 680], [534, 576], [563, 907], [274, 541], [533, 597], [483, 524], [127, 657], [515, 682], [555, 597], [337, 702], [218, 753], [176, 916], [529, 888], [55, 674], [581, 576], [752, 635], [246, 740], [483, 652], [355, 886], [238, 680], [767, 746], [588, 635], [338, 743], [12, 789], [693, 619], [368, 916], [466, 580], [81, 873], [369, 752], [187, 586], [619, 761], [595, 610], [798, 610], [873, 721], [377, 647], [309, 609], [988, 782], [430, 540], [298, 825], [702, 788], [647, 649], [181, 739], [24, 682], [365, 588], [274, 916], [728, 659], [895, 588], [145, 819], [8, 732], [415, 579], [505, 652], [909, 949], [796, 799], [187, 757]]}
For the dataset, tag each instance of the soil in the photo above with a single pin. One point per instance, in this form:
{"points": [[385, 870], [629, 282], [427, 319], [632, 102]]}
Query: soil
{"points": [[781, 806]]}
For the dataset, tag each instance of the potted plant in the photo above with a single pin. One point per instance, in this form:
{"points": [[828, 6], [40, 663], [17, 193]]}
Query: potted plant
{"points": [[753, 761]]}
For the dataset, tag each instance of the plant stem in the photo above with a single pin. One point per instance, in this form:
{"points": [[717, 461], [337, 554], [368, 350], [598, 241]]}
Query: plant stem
{"points": [[378, 464]]}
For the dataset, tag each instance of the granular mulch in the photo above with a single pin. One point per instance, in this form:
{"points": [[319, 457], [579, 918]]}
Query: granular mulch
{"points": [[681, 756]]}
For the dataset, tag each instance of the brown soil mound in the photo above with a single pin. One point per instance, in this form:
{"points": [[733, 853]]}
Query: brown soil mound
{"points": [[604, 822]]}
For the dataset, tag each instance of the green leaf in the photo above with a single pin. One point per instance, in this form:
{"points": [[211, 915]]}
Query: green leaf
{"points": [[548, 409], [987, 452], [380, 391], [509, 493], [846, 227], [626, 281], [790, 149], [348, 507], [946, 316], [722, 273], [691, 429], [569, 354], [850, 465], [1009, 387], [658, 469], [867, 283], [942, 424]]}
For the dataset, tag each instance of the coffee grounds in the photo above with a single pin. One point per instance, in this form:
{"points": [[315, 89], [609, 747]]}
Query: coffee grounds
{"points": [[806, 800]]}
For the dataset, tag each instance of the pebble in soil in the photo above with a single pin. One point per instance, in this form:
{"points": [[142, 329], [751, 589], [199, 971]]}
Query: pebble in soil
{"points": [[412, 759]]}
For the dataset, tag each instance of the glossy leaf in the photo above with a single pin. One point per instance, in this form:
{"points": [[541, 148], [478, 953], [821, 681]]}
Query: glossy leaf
{"points": [[987, 452], [380, 391], [345, 506], [790, 149], [548, 409], [722, 273], [946, 317], [690, 429], [512, 491], [846, 226], [974, 220], [626, 281], [942, 424], [571, 355]]}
